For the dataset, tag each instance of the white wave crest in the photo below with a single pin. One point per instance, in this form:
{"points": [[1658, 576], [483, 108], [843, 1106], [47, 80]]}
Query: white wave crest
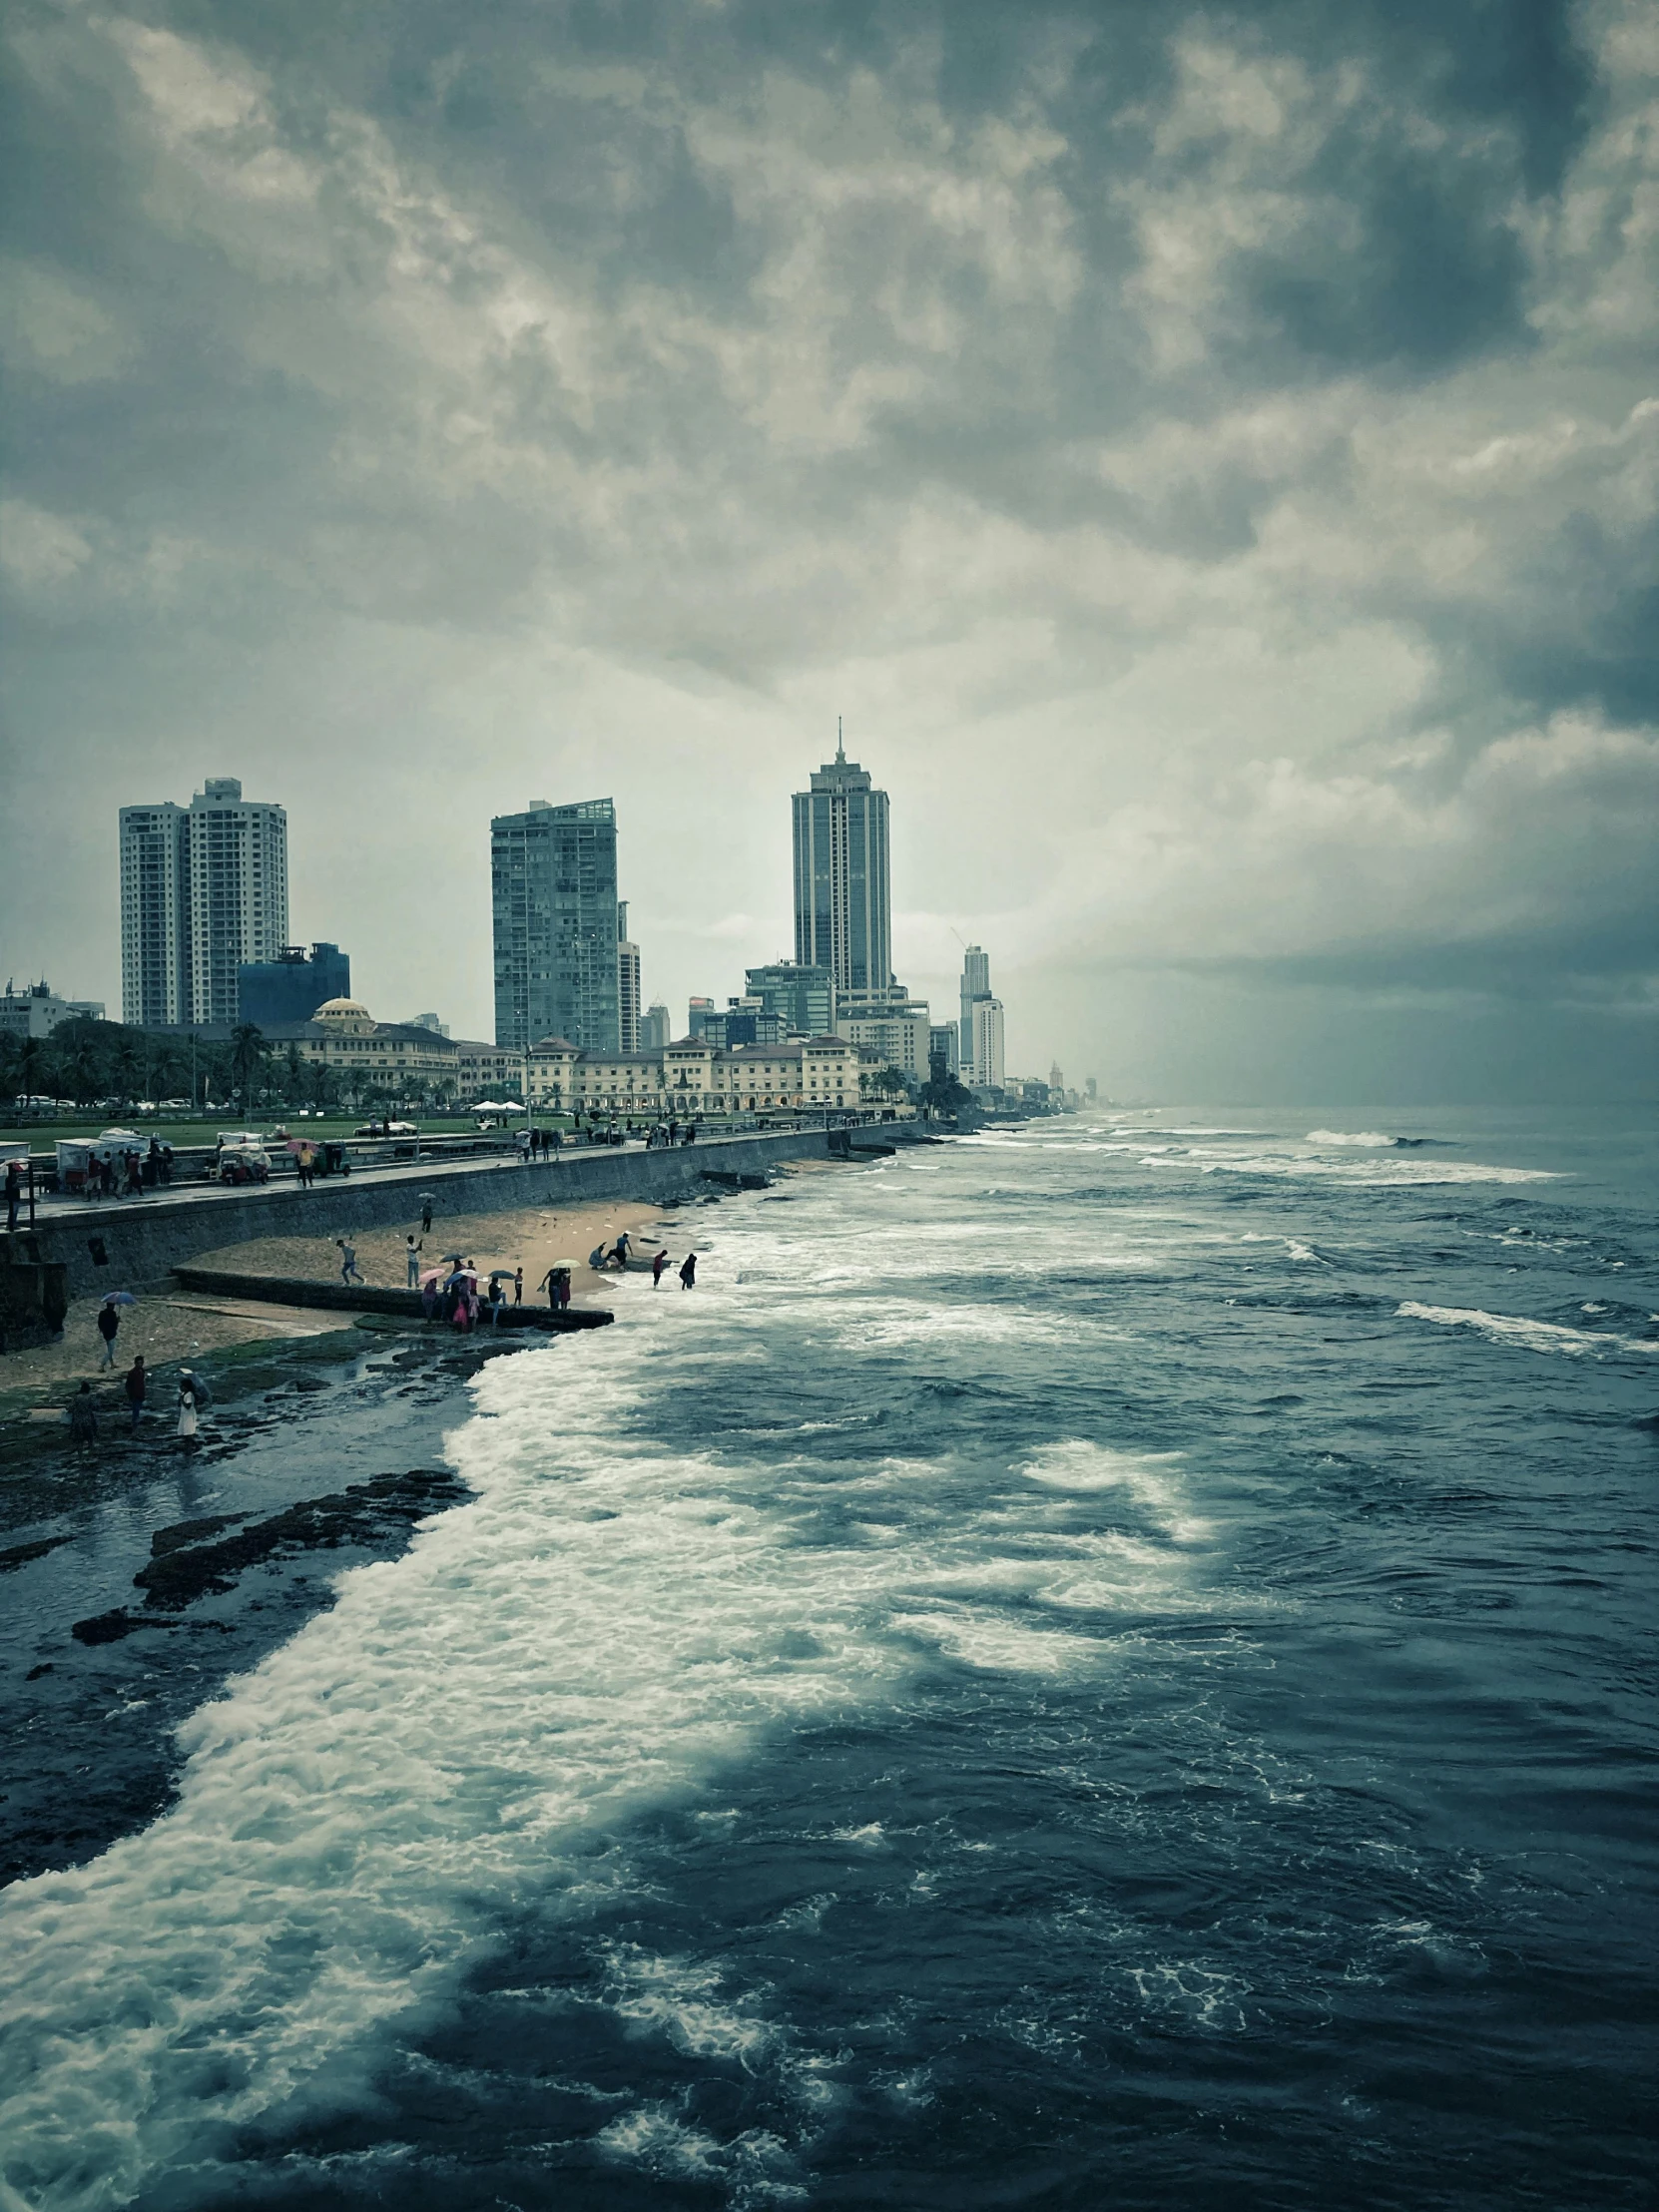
{"points": [[1531, 1335], [1371, 1139]]}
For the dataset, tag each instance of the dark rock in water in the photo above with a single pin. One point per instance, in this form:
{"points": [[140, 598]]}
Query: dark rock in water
{"points": [[109, 1628], [184, 1570], [190, 1531], [19, 1555]]}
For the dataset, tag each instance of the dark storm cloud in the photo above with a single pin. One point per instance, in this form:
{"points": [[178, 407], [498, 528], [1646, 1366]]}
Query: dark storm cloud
{"points": [[1210, 451]]}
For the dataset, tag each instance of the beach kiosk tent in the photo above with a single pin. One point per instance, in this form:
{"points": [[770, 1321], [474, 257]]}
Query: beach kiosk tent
{"points": [[76, 1154]]}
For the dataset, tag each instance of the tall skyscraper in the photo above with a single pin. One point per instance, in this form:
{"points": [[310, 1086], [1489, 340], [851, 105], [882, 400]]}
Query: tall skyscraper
{"points": [[238, 892], [553, 894], [155, 917], [977, 985], [842, 895], [627, 983], [203, 890], [656, 1032], [987, 1044]]}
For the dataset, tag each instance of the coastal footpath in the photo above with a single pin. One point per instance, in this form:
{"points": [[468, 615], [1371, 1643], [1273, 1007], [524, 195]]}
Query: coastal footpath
{"points": [[138, 1242]]}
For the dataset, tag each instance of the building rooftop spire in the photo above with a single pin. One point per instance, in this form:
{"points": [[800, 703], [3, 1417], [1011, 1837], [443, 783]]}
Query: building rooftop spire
{"points": [[841, 749]]}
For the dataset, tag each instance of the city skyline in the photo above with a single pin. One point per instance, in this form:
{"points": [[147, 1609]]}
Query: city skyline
{"points": [[1208, 461]]}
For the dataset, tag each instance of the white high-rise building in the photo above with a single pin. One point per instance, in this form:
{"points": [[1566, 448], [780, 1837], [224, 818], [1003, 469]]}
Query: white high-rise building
{"points": [[203, 888], [627, 983], [987, 1044], [156, 990], [238, 892]]}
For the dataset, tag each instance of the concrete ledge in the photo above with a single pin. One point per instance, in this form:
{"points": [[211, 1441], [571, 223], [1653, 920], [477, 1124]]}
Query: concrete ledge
{"points": [[290, 1289]]}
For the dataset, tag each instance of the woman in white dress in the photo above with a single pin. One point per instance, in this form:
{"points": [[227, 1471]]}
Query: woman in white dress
{"points": [[187, 1405]]}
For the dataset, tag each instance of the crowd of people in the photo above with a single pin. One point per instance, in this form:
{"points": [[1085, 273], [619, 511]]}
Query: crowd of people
{"points": [[450, 1295], [126, 1173]]}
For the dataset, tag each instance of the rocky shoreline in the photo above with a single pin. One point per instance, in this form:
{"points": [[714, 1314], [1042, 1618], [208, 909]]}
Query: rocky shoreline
{"points": [[123, 1613]]}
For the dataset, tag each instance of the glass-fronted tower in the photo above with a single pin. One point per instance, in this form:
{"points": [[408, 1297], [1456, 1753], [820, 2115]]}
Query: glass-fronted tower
{"points": [[977, 985], [842, 895], [553, 895]]}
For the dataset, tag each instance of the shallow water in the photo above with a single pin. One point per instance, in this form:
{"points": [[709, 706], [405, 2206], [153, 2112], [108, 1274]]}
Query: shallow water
{"points": [[1104, 1662]]}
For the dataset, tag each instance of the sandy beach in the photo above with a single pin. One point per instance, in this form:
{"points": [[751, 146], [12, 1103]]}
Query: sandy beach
{"points": [[167, 1325]]}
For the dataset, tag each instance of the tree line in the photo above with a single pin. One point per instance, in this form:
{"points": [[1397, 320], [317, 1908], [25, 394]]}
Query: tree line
{"points": [[108, 1065]]}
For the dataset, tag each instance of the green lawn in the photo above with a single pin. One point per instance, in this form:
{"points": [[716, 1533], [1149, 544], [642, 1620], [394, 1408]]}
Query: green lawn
{"points": [[204, 1129]]}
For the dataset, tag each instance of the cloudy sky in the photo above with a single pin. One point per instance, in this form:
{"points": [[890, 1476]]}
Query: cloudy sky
{"points": [[1209, 456]]}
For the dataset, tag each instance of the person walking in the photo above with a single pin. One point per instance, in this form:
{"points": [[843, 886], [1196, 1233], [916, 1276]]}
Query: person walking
{"points": [[688, 1272], [659, 1263], [561, 1288], [429, 1295], [14, 1194], [109, 1321], [189, 1408], [136, 1385], [83, 1417], [425, 1213], [518, 1286], [550, 1283], [411, 1256], [498, 1301], [347, 1262]]}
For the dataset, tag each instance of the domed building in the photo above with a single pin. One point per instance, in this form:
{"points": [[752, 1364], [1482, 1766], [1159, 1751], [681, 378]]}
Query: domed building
{"points": [[346, 1017], [396, 1060]]}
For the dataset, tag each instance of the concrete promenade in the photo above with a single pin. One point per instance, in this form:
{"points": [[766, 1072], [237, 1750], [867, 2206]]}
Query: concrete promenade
{"points": [[144, 1239]]}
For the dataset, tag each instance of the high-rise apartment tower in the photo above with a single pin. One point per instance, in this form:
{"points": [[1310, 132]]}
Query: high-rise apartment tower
{"points": [[842, 896], [203, 890], [627, 983], [987, 1044], [977, 985], [553, 895]]}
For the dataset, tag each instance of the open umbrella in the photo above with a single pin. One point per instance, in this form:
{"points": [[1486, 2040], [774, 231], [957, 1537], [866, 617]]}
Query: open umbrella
{"points": [[454, 1258], [119, 1298]]}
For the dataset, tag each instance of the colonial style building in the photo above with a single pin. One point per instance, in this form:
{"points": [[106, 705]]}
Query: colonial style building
{"points": [[694, 1077], [406, 1060]]}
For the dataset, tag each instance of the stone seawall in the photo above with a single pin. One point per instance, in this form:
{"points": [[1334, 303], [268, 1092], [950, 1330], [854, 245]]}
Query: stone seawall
{"points": [[145, 1239]]}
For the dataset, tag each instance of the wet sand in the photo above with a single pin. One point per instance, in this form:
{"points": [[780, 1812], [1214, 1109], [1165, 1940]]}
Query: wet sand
{"points": [[169, 1325]]}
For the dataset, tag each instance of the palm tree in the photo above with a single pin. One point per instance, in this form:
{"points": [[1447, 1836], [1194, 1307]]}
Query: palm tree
{"points": [[249, 1052]]}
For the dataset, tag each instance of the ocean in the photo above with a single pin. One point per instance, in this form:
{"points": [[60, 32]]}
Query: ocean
{"points": [[1105, 1663]]}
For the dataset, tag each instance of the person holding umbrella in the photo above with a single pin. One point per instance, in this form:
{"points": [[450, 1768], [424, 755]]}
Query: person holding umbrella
{"points": [[109, 1321]]}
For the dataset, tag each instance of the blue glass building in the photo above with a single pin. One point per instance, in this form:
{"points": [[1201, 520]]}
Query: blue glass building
{"points": [[554, 903], [842, 897], [294, 985]]}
